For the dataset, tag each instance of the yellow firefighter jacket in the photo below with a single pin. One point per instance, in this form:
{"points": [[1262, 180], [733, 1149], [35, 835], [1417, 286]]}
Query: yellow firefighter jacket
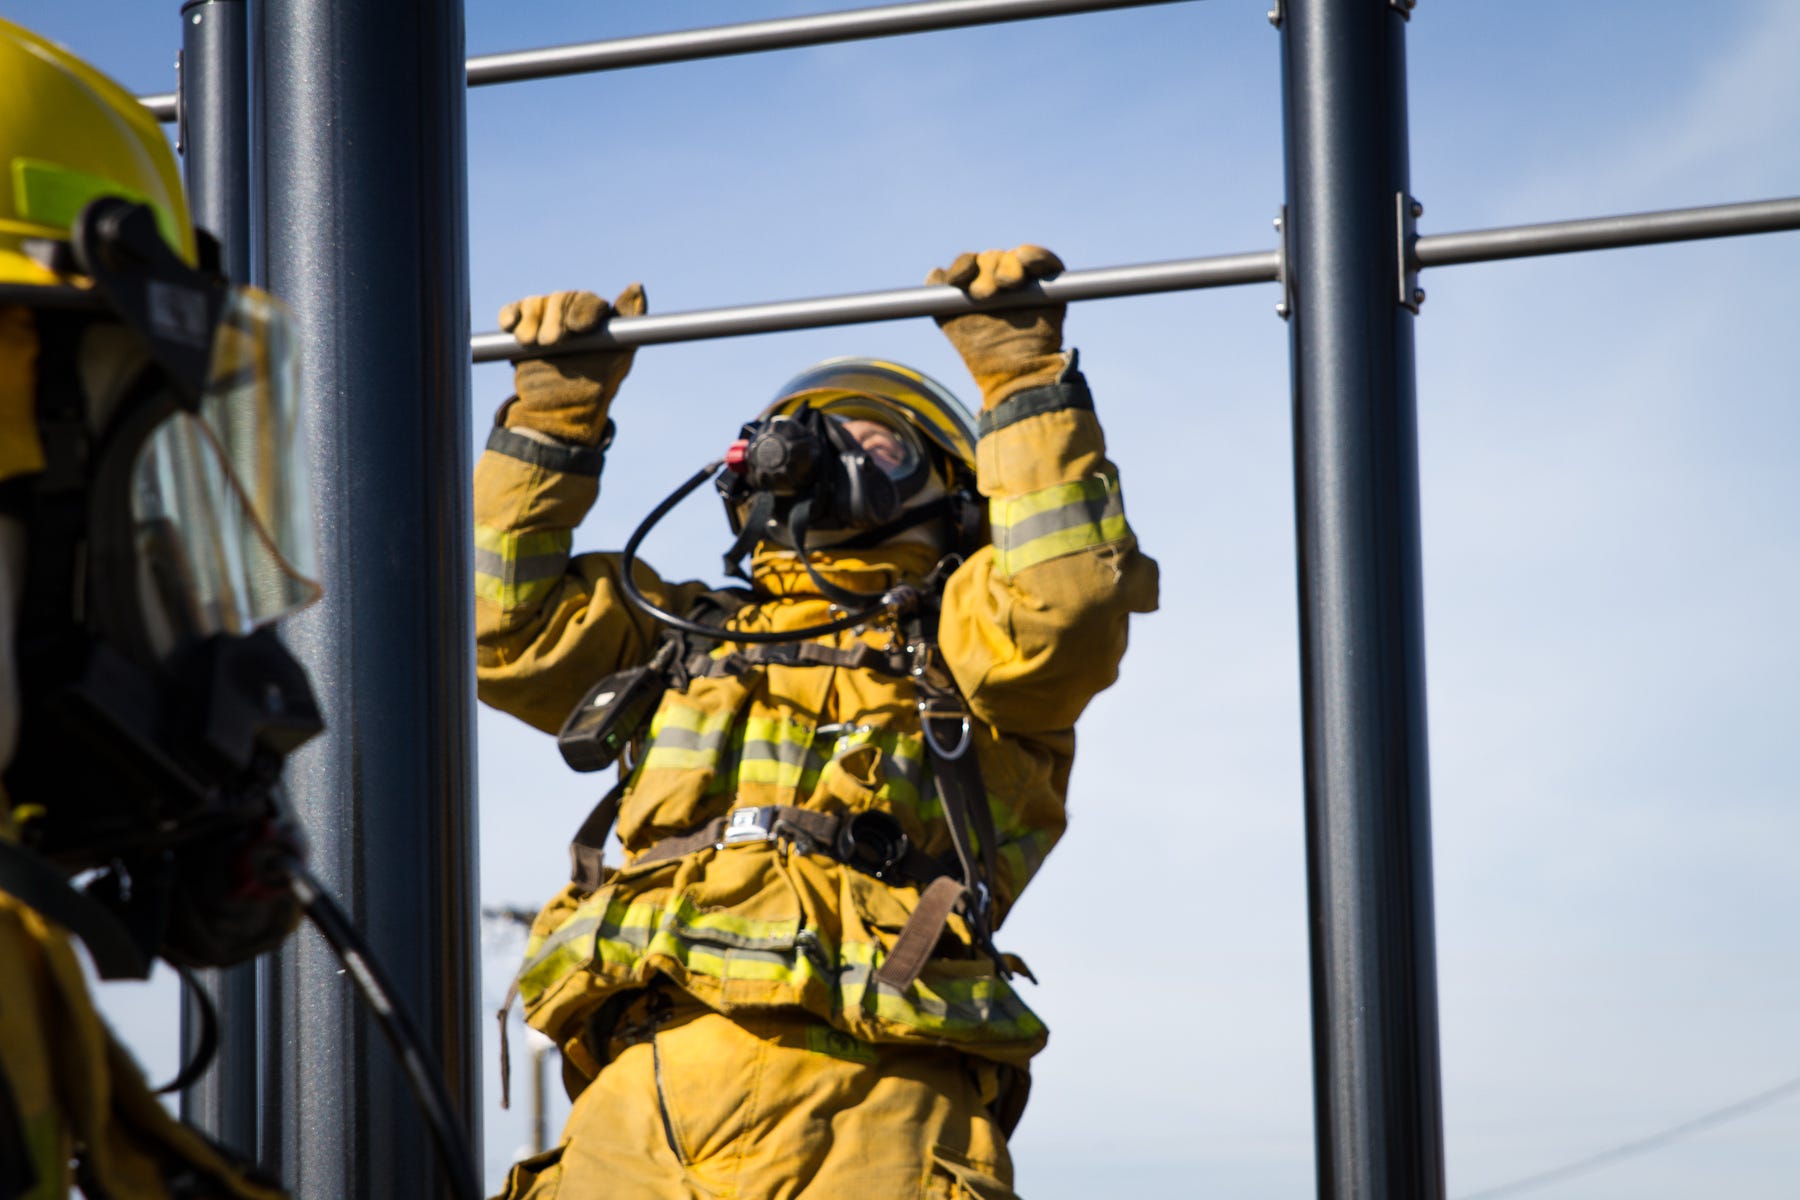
{"points": [[1033, 625], [79, 1106]]}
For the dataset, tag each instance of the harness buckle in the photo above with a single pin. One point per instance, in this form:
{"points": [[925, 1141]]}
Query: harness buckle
{"points": [[749, 825]]}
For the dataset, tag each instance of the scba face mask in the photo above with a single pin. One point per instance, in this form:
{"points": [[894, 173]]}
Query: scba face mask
{"points": [[163, 536], [815, 464]]}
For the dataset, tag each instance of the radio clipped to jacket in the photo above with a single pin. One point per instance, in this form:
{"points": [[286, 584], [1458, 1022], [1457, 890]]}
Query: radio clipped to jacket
{"points": [[610, 716]]}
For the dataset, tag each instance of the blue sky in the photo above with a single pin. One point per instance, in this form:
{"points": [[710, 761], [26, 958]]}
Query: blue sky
{"points": [[1611, 553]]}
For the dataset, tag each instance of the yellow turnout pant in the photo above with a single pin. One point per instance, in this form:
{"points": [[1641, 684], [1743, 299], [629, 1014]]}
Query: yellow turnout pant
{"points": [[698, 1106]]}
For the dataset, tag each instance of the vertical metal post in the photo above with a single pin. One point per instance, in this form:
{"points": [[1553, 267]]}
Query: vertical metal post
{"points": [[362, 143], [215, 125], [215, 135], [1374, 993]]}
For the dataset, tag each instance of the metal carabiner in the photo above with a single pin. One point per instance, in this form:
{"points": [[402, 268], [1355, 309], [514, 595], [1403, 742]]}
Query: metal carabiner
{"points": [[962, 742]]}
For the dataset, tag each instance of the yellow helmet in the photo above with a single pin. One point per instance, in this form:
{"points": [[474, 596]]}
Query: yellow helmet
{"points": [[844, 384], [68, 135]]}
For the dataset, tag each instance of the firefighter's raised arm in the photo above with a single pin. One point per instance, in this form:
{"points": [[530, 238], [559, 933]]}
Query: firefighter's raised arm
{"points": [[549, 622], [1034, 624]]}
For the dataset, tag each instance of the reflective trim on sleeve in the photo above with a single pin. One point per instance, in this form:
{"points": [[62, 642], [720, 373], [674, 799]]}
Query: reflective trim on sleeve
{"points": [[1055, 521], [516, 569]]}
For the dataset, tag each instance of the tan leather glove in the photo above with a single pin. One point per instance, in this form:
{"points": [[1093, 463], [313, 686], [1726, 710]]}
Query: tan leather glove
{"points": [[567, 396], [1007, 352]]}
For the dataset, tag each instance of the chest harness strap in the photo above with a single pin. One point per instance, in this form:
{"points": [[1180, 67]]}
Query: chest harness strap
{"points": [[863, 841]]}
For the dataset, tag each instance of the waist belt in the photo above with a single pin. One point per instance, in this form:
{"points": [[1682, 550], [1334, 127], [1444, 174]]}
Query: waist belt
{"points": [[870, 841]]}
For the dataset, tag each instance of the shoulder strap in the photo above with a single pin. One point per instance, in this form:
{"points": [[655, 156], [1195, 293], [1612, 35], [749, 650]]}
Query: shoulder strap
{"points": [[586, 871], [956, 774], [960, 790]]}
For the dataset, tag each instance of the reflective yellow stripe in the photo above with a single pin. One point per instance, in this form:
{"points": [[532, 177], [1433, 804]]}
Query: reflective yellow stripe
{"points": [[54, 195], [1021, 849], [513, 569], [776, 752], [1020, 858], [684, 738], [1054, 521], [727, 948], [1008, 823]]}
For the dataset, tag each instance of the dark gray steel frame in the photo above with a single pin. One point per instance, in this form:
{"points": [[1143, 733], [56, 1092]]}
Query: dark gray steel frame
{"points": [[389, 448], [215, 140]]}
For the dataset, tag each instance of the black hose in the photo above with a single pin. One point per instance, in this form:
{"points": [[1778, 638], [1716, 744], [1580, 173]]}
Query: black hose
{"points": [[208, 1049], [427, 1082], [632, 592]]}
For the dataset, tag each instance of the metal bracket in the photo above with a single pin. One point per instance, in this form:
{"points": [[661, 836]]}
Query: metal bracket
{"points": [[1407, 212], [1275, 13], [180, 103], [1284, 307], [1403, 7]]}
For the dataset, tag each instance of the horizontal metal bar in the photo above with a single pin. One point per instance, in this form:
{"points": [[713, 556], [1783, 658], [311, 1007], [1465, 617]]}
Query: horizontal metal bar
{"points": [[1437, 250], [781, 34], [1604, 233], [1183, 275], [785, 33]]}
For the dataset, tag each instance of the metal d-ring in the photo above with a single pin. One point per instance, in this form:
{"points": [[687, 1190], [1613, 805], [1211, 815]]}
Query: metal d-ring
{"points": [[962, 742]]}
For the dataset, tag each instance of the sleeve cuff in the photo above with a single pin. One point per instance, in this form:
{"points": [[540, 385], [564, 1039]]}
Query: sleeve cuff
{"points": [[551, 455], [1069, 392]]}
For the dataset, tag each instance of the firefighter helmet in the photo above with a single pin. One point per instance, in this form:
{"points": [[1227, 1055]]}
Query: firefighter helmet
{"points": [[69, 135]]}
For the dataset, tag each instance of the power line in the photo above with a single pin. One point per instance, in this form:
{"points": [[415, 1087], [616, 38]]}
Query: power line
{"points": [[1644, 1145]]}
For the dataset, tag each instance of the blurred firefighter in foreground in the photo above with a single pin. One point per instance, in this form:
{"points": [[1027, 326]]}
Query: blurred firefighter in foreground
{"points": [[149, 533], [835, 783]]}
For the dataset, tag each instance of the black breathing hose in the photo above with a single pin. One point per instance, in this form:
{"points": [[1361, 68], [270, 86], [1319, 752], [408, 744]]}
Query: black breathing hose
{"points": [[428, 1088], [633, 593]]}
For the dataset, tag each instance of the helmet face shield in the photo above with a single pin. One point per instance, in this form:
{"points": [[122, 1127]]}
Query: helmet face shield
{"points": [[251, 407], [220, 532], [221, 525], [198, 508]]}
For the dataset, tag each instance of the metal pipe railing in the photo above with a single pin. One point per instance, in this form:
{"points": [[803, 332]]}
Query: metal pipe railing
{"points": [[861, 308], [784, 33], [1190, 274], [750, 37], [1606, 233]]}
